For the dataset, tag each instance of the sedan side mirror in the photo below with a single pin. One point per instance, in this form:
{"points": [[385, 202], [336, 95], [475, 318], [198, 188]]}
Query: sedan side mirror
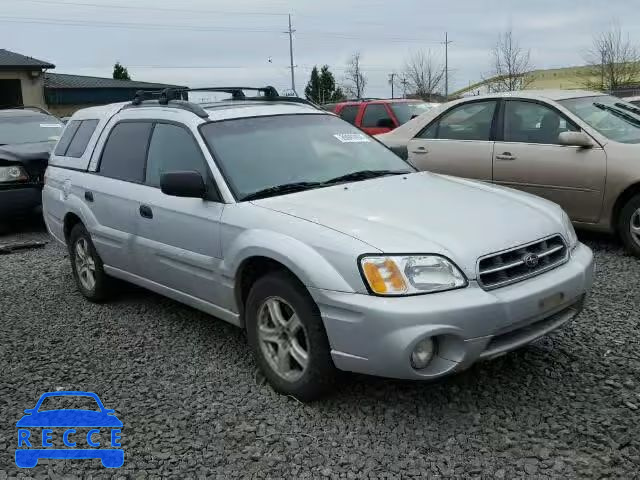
{"points": [[29, 411], [575, 139], [183, 184]]}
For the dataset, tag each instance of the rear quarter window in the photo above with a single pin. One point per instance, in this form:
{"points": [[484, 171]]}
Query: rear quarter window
{"points": [[66, 138], [81, 139], [75, 138], [125, 152]]}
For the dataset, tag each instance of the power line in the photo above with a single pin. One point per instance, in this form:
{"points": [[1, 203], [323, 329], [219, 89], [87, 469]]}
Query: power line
{"points": [[158, 9], [194, 28]]}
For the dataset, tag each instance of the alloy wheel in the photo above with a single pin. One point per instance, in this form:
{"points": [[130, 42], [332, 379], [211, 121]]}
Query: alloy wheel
{"points": [[85, 264], [634, 226], [283, 339]]}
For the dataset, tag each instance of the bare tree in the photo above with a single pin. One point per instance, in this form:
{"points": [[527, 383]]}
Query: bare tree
{"points": [[613, 61], [423, 75], [355, 79], [511, 65]]}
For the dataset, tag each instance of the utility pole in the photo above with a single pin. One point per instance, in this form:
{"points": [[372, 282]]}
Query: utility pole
{"points": [[391, 81], [293, 78], [404, 83], [446, 65]]}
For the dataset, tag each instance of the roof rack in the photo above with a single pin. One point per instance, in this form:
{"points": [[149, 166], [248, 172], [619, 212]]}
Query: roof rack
{"points": [[178, 97]]}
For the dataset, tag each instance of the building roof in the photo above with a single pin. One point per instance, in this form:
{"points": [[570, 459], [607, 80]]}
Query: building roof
{"points": [[63, 80], [15, 60]]}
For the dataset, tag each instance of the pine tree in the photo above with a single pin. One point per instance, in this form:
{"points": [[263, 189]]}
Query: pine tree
{"points": [[120, 72]]}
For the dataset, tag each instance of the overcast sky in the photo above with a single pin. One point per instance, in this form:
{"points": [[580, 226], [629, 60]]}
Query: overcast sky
{"points": [[230, 42]]}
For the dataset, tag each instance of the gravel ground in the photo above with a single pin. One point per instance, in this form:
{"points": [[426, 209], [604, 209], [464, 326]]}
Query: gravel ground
{"points": [[186, 389]]}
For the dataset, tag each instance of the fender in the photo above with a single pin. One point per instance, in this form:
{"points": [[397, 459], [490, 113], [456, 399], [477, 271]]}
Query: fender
{"points": [[305, 262]]}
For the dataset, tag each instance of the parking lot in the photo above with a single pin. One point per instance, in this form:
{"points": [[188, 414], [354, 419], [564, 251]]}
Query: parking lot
{"points": [[193, 406]]}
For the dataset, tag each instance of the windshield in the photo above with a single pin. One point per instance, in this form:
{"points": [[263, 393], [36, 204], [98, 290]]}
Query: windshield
{"points": [[265, 152], [406, 111], [612, 117], [29, 129]]}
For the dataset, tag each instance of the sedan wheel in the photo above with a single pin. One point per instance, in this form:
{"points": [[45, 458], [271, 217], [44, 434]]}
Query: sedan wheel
{"points": [[634, 227]]}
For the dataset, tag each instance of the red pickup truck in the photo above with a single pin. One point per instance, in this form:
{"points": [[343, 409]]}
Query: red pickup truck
{"points": [[376, 116]]}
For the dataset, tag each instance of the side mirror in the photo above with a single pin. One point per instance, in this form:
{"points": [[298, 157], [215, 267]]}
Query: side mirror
{"points": [[183, 184], [575, 139], [29, 411], [385, 123], [109, 411]]}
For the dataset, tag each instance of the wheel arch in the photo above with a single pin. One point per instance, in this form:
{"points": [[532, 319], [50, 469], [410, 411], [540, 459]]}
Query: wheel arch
{"points": [[626, 195], [70, 221]]}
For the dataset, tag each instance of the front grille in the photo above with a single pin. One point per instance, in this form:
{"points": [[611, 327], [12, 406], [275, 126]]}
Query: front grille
{"points": [[500, 269]]}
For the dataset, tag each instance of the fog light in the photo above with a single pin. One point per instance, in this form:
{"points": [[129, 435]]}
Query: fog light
{"points": [[423, 353]]}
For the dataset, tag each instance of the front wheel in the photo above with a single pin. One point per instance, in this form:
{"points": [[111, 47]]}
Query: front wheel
{"points": [[289, 342], [629, 225]]}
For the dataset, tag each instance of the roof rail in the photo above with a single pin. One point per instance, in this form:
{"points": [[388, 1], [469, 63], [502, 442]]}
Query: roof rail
{"points": [[178, 97]]}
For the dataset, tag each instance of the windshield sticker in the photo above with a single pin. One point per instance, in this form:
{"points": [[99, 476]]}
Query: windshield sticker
{"points": [[50, 125], [352, 137]]}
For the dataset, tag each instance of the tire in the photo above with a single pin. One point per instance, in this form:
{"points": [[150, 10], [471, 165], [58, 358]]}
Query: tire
{"points": [[100, 289], [283, 297], [629, 219]]}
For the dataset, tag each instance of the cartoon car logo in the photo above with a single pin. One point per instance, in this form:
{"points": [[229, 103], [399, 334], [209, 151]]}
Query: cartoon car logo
{"points": [[34, 444]]}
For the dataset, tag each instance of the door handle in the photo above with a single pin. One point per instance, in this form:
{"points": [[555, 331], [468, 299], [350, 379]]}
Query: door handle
{"points": [[88, 196], [505, 156], [145, 211], [421, 151]]}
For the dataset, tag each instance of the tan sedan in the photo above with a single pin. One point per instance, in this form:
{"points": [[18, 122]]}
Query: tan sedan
{"points": [[579, 149]]}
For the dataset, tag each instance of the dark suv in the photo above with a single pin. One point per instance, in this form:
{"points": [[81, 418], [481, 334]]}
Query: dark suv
{"points": [[376, 116]]}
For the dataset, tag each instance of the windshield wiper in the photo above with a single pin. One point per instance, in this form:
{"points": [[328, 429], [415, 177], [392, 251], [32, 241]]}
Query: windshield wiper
{"points": [[281, 190], [618, 113], [628, 108], [363, 175]]}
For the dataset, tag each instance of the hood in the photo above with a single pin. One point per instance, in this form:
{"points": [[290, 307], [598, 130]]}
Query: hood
{"points": [[33, 156], [427, 213], [69, 418]]}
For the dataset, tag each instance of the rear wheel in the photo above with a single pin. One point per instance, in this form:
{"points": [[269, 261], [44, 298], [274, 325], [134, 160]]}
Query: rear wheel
{"points": [[87, 267], [286, 333], [629, 225]]}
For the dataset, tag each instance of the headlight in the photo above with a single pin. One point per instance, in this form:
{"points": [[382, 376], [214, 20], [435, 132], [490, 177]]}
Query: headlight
{"points": [[13, 174], [410, 275], [572, 238]]}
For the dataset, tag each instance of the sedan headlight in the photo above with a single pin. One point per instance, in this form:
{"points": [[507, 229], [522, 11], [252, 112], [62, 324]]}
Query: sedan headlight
{"points": [[13, 173], [572, 238], [410, 275]]}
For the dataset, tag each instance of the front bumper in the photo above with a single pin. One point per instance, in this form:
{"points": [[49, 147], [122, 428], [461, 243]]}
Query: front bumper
{"points": [[19, 199], [376, 335]]}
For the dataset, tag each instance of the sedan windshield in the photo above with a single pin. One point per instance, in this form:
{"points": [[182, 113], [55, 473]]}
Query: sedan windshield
{"points": [[406, 111], [29, 129], [267, 156], [612, 117]]}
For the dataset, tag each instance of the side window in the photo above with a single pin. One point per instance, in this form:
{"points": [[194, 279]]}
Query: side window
{"points": [[67, 136], [430, 132], [375, 115], [530, 122], [350, 113], [81, 138], [172, 148], [125, 151], [471, 121]]}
